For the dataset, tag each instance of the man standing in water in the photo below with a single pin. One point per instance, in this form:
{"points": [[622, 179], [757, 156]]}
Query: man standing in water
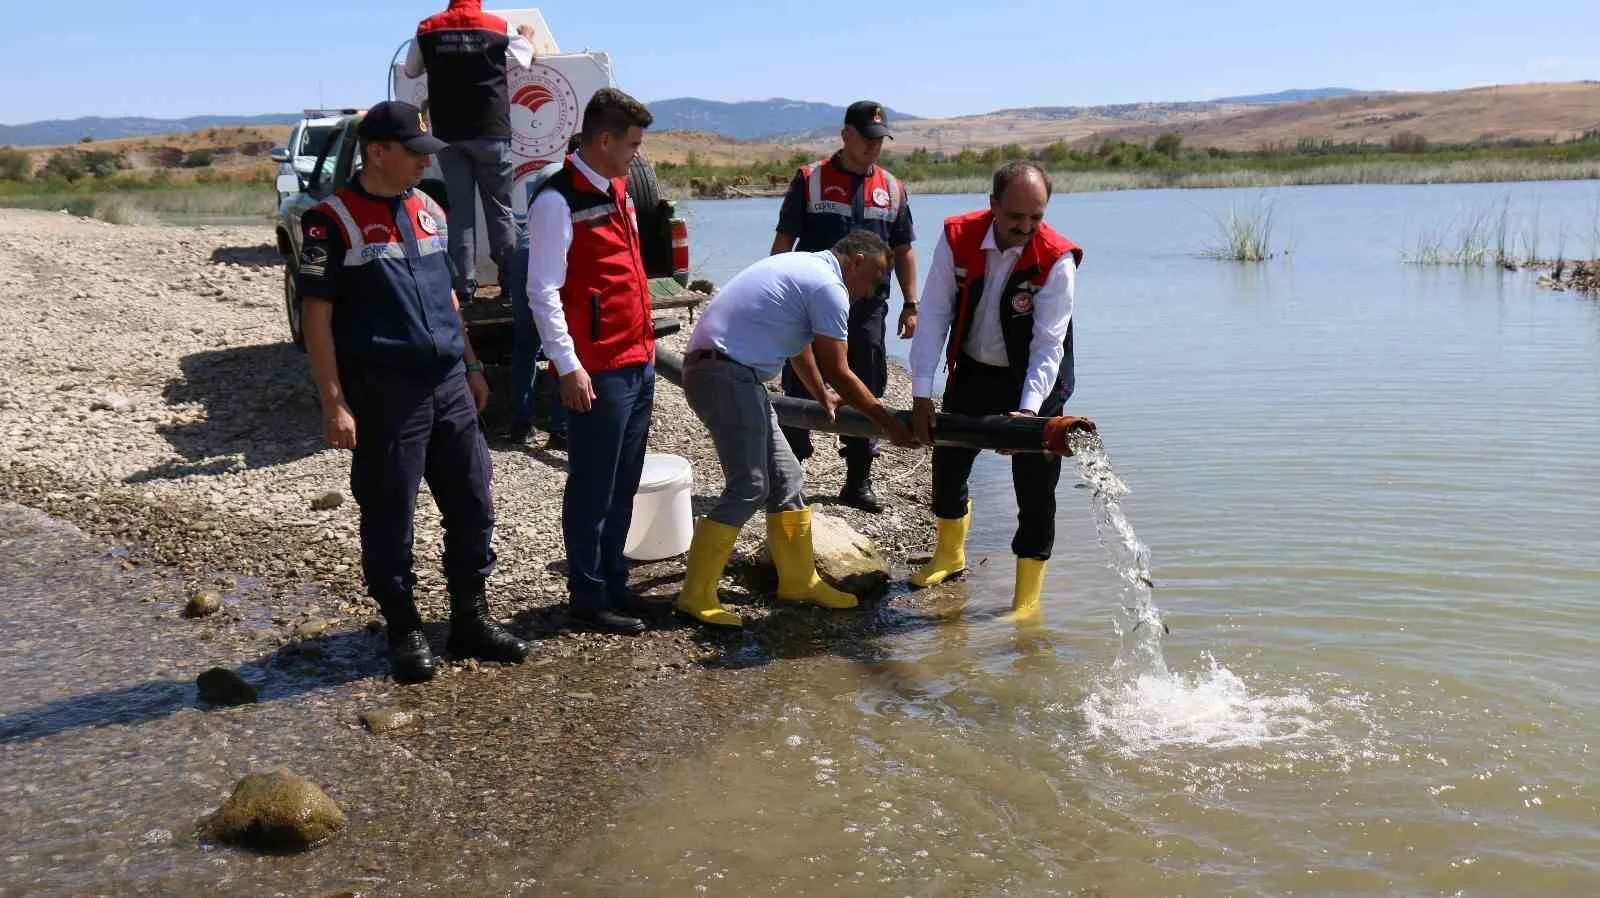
{"points": [[401, 387], [826, 201], [997, 308], [795, 308]]}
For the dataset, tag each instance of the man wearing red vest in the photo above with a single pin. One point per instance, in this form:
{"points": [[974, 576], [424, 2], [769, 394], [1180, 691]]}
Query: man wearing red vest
{"points": [[591, 302], [997, 309], [827, 200]]}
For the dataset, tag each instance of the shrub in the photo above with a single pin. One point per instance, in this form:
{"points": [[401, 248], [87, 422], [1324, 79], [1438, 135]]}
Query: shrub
{"points": [[64, 166], [1408, 142], [14, 165], [102, 164]]}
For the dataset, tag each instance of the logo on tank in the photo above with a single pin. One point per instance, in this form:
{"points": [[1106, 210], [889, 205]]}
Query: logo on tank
{"points": [[544, 111]]}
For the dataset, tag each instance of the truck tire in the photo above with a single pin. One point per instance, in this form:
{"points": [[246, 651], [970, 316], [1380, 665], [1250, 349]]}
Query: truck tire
{"points": [[655, 228], [291, 307]]}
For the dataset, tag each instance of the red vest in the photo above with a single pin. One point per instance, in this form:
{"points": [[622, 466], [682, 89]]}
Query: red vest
{"points": [[965, 235], [606, 296], [464, 52], [831, 198], [393, 296]]}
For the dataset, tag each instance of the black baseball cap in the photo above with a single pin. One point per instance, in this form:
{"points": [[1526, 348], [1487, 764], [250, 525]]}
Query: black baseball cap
{"points": [[866, 116], [400, 122]]}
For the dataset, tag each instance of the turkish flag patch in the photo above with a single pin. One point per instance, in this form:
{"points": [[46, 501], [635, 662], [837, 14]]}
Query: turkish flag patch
{"points": [[317, 232]]}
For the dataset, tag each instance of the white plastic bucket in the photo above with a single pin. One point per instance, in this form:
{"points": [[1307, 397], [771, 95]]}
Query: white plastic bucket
{"points": [[663, 522]]}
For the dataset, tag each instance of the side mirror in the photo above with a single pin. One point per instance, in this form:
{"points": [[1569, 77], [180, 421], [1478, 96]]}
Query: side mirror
{"points": [[280, 154]]}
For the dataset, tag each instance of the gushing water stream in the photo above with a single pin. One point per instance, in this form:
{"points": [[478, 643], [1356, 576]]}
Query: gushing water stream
{"points": [[1138, 622]]}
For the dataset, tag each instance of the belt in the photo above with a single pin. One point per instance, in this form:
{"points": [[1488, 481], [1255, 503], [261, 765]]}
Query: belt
{"points": [[700, 355]]}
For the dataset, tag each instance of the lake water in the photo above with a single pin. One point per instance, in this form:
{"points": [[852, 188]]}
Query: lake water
{"points": [[1370, 497]]}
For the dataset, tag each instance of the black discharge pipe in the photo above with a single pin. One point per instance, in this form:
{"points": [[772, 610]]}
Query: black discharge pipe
{"points": [[1002, 432]]}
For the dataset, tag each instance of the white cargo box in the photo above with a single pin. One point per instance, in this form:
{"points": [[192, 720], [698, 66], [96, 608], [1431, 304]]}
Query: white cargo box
{"points": [[547, 103]]}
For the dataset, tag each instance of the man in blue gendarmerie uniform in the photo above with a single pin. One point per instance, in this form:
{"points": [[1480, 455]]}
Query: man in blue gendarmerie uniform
{"points": [[401, 387], [827, 200]]}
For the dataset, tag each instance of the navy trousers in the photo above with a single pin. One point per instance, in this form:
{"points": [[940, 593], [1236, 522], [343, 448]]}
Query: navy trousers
{"points": [[869, 361], [525, 346], [605, 458], [412, 427]]}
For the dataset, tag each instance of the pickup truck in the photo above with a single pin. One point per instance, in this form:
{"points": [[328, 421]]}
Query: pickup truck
{"points": [[298, 157], [664, 245]]}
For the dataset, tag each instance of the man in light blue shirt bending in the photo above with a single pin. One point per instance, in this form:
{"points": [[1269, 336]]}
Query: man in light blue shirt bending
{"points": [[791, 307]]}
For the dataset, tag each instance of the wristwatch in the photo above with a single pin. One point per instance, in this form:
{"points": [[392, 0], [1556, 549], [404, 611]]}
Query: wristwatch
{"points": [[474, 367]]}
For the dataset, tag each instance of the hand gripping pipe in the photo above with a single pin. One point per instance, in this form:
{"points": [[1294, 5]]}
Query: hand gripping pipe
{"points": [[1001, 432]]}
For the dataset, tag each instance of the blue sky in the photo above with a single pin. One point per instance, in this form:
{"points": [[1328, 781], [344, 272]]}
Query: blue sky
{"points": [[166, 58]]}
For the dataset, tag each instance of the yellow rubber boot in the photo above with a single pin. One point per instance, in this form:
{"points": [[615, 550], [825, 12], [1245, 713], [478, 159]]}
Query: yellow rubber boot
{"points": [[708, 555], [789, 535], [1030, 582], [949, 554]]}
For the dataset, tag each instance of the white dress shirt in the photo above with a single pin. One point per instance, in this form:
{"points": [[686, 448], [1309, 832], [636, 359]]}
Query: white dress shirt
{"points": [[1052, 313], [520, 51], [549, 239]]}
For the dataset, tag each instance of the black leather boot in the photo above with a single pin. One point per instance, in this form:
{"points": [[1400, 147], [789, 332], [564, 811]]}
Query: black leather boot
{"points": [[410, 658], [857, 492], [474, 633]]}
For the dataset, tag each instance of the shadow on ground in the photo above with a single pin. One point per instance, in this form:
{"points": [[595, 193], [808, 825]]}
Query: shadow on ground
{"points": [[260, 409], [291, 671], [263, 255]]}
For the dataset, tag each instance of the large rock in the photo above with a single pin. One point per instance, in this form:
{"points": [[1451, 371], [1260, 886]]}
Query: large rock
{"points": [[845, 558], [275, 812], [221, 686], [386, 721], [203, 604], [328, 501]]}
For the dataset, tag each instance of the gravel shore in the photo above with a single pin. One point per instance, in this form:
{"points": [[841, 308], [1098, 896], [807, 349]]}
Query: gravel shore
{"points": [[152, 398]]}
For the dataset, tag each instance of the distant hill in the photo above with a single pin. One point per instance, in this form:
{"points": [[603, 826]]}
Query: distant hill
{"points": [[1290, 96], [59, 131], [774, 129], [1037, 126], [774, 119], [1556, 111]]}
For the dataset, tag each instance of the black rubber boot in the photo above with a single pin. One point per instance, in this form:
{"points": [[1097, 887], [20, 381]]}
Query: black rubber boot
{"points": [[474, 633], [410, 658], [857, 492]]}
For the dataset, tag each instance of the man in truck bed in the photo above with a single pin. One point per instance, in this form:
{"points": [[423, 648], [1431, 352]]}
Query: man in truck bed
{"points": [[465, 52]]}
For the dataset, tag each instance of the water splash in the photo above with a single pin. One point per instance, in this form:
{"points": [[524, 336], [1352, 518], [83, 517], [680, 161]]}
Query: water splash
{"points": [[1142, 705], [1213, 708]]}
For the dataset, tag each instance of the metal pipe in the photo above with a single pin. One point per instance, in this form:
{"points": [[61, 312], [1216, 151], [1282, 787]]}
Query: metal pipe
{"points": [[1002, 432]]}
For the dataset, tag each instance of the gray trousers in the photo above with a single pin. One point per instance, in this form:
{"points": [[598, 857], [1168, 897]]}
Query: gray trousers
{"points": [[478, 169], [759, 470]]}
